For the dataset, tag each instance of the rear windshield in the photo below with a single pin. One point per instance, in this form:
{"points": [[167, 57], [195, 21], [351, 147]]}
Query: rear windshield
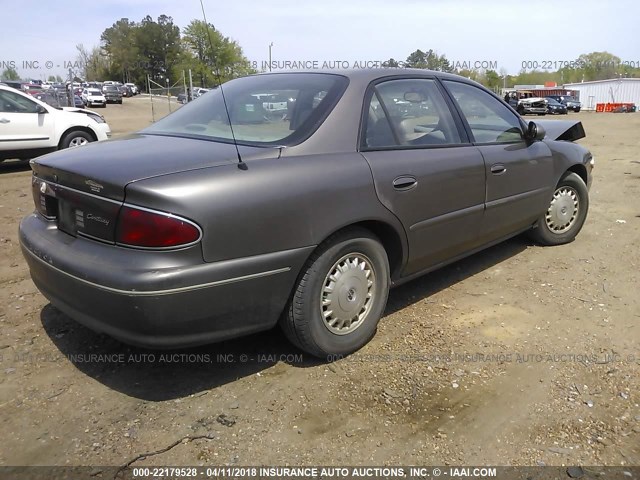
{"points": [[270, 109]]}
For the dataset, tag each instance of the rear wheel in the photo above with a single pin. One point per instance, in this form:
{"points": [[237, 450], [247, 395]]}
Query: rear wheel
{"points": [[340, 295], [76, 138], [565, 214]]}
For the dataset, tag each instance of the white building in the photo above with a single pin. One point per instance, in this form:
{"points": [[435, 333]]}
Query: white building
{"points": [[616, 90]]}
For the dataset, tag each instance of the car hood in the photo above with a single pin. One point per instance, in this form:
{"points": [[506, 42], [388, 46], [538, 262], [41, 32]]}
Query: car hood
{"points": [[106, 168], [78, 110], [562, 129]]}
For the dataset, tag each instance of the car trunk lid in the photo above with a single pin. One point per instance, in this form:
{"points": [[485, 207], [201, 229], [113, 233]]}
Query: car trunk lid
{"points": [[82, 189]]}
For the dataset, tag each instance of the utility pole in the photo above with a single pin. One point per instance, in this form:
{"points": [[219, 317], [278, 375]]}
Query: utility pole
{"points": [[270, 46], [184, 82]]}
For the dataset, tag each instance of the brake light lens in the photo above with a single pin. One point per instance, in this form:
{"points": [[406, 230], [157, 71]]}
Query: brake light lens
{"points": [[143, 228]]}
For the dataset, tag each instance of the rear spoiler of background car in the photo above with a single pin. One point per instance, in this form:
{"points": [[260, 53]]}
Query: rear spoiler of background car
{"points": [[563, 129]]}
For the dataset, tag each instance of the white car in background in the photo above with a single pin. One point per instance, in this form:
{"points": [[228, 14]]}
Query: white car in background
{"points": [[199, 91], [29, 127], [93, 97], [133, 88]]}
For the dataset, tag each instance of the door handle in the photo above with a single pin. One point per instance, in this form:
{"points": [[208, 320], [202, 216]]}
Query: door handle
{"points": [[498, 169], [4, 120], [405, 182]]}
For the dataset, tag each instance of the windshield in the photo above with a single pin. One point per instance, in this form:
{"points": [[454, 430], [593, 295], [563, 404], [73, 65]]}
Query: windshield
{"points": [[271, 109], [552, 101], [93, 91]]}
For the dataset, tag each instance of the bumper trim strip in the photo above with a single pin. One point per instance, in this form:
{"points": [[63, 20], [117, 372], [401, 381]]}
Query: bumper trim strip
{"points": [[148, 293]]}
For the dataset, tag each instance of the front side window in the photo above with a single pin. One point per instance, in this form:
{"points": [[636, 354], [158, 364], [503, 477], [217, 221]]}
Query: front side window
{"points": [[276, 109], [11, 102], [489, 119], [409, 112]]}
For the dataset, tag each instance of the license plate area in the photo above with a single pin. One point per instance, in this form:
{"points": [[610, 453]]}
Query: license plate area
{"points": [[77, 213]]}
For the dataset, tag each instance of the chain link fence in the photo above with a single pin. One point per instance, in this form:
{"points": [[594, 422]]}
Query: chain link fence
{"points": [[57, 98], [168, 94]]}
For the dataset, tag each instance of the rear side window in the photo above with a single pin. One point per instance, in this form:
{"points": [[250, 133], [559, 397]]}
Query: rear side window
{"points": [[489, 119], [409, 112]]}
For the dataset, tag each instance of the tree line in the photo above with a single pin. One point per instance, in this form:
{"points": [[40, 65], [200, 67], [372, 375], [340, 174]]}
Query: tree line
{"points": [[587, 67], [129, 51]]}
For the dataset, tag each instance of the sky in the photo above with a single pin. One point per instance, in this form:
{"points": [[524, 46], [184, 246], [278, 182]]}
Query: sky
{"points": [[495, 34]]}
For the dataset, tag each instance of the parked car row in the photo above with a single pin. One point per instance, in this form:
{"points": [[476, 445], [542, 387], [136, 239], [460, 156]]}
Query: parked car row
{"points": [[527, 103]]}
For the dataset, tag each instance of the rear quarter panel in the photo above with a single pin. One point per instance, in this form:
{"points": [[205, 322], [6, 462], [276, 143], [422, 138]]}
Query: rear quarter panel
{"points": [[275, 204]]}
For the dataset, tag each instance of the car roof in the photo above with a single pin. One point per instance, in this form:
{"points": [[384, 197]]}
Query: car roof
{"points": [[369, 74]]}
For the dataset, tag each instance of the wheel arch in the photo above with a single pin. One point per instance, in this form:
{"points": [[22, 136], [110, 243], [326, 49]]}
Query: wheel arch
{"points": [[580, 170], [393, 242]]}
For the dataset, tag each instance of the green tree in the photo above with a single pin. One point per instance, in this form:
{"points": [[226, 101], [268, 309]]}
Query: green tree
{"points": [[98, 66], [599, 65], [429, 60], [491, 79], [10, 74], [391, 63], [212, 52], [119, 44], [158, 44]]}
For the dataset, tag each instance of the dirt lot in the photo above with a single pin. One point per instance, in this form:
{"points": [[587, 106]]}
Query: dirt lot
{"points": [[518, 355]]}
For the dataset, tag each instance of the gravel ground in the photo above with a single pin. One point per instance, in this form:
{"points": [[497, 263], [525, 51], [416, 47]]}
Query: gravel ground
{"points": [[518, 355]]}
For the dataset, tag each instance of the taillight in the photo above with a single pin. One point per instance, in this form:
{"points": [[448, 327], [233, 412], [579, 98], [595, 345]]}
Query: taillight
{"points": [[144, 228]]}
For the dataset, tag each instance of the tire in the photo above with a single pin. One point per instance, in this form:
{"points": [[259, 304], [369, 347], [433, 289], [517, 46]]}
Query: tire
{"points": [[308, 315], [551, 229], [76, 138]]}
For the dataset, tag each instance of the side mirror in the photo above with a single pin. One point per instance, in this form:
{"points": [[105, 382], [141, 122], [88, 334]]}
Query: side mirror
{"points": [[535, 131], [41, 109]]}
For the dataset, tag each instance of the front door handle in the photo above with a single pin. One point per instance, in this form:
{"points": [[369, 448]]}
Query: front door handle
{"points": [[405, 182], [498, 169], [4, 120]]}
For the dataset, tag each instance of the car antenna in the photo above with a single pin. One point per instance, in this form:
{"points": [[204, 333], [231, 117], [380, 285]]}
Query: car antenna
{"points": [[241, 165]]}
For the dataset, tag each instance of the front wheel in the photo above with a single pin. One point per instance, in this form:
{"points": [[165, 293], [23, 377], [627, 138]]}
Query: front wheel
{"points": [[565, 214], [76, 139], [340, 295]]}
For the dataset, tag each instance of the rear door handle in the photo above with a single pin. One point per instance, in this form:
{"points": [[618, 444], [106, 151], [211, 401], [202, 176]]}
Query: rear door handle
{"points": [[498, 169], [405, 182], [4, 120]]}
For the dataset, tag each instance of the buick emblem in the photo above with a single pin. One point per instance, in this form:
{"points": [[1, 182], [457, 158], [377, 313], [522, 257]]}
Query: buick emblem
{"points": [[94, 186]]}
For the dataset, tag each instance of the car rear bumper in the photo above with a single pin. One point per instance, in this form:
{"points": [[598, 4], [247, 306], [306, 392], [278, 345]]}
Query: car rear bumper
{"points": [[181, 302]]}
